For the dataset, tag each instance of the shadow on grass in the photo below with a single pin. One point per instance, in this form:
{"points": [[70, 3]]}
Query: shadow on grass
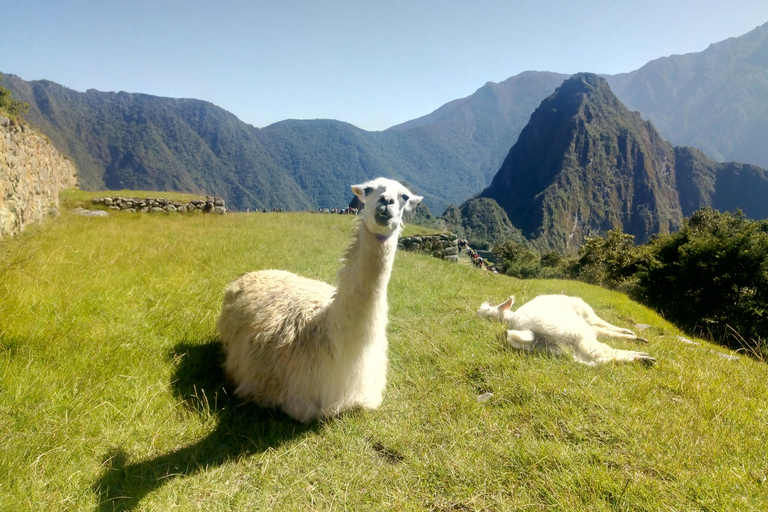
{"points": [[242, 429]]}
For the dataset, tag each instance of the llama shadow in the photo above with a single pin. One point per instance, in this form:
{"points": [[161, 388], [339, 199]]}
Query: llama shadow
{"points": [[242, 429]]}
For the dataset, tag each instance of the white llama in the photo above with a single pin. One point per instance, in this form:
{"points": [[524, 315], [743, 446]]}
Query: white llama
{"points": [[307, 347], [553, 322]]}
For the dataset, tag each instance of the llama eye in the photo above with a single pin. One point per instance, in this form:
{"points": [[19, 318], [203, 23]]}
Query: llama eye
{"points": [[406, 197], [367, 190]]}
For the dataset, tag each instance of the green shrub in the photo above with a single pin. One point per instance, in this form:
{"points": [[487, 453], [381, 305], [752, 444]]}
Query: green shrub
{"points": [[711, 277], [516, 260], [9, 106], [613, 262]]}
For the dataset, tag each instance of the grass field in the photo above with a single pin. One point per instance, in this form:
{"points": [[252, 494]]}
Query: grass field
{"points": [[112, 397]]}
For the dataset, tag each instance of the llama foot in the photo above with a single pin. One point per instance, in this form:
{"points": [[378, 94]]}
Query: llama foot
{"points": [[646, 359]]}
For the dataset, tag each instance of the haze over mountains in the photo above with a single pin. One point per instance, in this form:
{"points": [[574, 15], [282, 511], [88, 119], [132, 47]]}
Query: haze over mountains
{"points": [[713, 100]]}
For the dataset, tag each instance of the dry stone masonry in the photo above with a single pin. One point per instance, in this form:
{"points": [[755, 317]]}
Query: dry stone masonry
{"points": [[210, 204], [32, 173], [444, 246]]}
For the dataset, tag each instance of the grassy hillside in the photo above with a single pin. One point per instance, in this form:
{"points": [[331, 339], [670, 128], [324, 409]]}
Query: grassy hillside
{"points": [[111, 396]]}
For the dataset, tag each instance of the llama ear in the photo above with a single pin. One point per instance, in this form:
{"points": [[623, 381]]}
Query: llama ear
{"points": [[412, 202], [508, 304], [359, 191]]}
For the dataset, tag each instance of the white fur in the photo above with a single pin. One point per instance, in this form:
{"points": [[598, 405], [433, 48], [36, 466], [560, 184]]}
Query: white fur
{"points": [[307, 347], [553, 322]]}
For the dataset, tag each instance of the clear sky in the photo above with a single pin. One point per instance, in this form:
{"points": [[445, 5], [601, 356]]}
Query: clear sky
{"points": [[371, 63]]}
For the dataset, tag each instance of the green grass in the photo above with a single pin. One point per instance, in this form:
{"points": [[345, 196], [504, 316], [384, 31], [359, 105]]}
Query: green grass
{"points": [[112, 397]]}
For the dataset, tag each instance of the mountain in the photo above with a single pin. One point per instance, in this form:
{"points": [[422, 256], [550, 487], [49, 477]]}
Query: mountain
{"points": [[481, 219], [585, 164], [137, 141], [713, 100], [488, 122]]}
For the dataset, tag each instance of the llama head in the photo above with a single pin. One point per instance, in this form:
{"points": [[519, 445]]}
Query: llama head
{"points": [[499, 312], [385, 202]]}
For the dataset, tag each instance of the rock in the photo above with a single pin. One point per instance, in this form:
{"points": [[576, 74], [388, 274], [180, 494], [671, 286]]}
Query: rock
{"points": [[725, 356], [686, 341], [485, 396], [89, 213]]}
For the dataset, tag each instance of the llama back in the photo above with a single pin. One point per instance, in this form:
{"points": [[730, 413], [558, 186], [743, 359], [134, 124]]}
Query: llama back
{"points": [[552, 317], [270, 327]]}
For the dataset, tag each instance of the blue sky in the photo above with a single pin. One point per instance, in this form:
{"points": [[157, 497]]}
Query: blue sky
{"points": [[372, 64]]}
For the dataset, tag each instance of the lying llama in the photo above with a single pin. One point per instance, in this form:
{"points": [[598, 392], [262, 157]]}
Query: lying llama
{"points": [[307, 347], [552, 322]]}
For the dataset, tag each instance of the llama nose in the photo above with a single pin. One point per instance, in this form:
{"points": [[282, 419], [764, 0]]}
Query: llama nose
{"points": [[381, 209]]}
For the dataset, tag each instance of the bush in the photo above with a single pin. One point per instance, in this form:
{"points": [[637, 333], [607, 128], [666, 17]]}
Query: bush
{"points": [[613, 262], [516, 260], [711, 277]]}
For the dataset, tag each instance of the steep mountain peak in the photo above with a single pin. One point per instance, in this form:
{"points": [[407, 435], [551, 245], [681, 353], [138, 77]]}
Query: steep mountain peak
{"points": [[585, 164]]}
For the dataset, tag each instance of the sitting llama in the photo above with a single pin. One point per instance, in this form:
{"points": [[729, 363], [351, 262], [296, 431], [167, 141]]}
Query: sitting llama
{"points": [[307, 347], [553, 322]]}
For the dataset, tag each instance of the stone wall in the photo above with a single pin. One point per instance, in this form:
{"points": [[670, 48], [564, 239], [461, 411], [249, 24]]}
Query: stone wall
{"points": [[209, 204], [32, 172], [445, 247]]}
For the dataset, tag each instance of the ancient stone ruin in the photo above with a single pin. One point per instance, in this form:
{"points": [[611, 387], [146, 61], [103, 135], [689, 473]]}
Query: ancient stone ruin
{"points": [[209, 204], [444, 246]]}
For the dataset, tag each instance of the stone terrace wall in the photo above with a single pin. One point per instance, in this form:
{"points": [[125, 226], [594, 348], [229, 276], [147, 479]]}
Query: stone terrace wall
{"points": [[445, 247], [32, 172], [209, 204]]}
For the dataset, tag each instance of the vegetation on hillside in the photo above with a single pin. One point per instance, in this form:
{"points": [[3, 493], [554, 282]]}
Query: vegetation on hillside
{"points": [[112, 396], [10, 107], [481, 220]]}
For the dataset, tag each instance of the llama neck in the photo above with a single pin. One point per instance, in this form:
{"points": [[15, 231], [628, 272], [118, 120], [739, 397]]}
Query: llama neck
{"points": [[361, 288]]}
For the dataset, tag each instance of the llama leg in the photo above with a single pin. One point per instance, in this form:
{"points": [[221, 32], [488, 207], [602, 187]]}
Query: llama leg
{"points": [[524, 340], [589, 351], [601, 327]]}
